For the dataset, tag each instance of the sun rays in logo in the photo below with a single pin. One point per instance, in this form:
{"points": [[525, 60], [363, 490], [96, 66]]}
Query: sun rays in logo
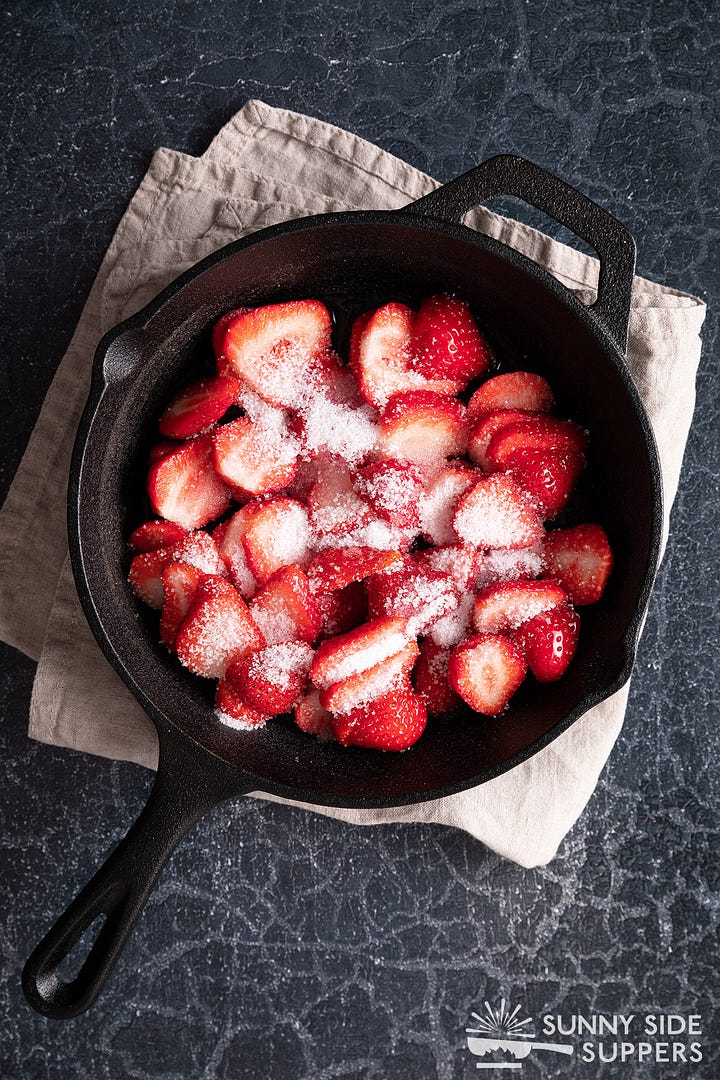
{"points": [[501, 1023]]}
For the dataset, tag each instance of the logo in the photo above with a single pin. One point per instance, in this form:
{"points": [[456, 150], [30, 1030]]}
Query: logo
{"points": [[501, 1031]]}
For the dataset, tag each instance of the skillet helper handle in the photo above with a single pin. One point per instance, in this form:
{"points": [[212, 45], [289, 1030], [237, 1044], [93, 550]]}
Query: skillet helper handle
{"points": [[120, 889], [510, 175]]}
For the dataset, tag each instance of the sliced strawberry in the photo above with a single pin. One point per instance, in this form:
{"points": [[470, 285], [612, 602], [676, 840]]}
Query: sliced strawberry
{"points": [[513, 390], [349, 654], [422, 427], [311, 718], [285, 608], [232, 711], [581, 560], [340, 697], [548, 642], [485, 430], [337, 567], [198, 406], [180, 582], [461, 562], [324, 427], [218, 628], [430, 678], [184, 488], [497, 513], [535, 433], [504, 565], [228, 537], [156, 534], [548, 475], [455, 626], [394, 721], [271, 679], [334, 506], [341, 609], [161, 450], [502, 607], [440, 499], [254, 459], [277, 534], [413, 592], [393, 489], [273, 349], [219, 333], [446, 342], [145, 575], [486, 670], [200, 550]]}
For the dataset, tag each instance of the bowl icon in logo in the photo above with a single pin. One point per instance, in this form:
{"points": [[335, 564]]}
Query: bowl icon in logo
{"points": [[505, 1031]]}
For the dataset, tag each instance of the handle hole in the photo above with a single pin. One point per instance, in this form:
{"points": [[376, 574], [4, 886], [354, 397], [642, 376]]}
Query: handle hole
{"points": [[512, 207], [69, 967]]}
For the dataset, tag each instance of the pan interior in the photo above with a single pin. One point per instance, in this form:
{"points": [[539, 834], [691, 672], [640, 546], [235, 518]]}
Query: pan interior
{"points": [[354, 264]]}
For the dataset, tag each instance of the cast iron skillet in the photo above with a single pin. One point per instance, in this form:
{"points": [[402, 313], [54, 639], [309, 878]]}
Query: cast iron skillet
{"points": [[351, 261]]}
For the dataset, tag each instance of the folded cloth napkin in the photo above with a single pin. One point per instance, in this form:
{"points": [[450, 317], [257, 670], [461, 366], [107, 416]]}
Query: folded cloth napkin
{"points": [[265, 166]]}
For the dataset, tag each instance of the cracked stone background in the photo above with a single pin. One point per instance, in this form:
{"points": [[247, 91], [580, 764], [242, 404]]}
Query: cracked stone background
{"points": [[280, 944]]}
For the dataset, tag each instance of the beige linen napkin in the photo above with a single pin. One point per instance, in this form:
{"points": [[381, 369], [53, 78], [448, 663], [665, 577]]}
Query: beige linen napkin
{"points": [[265, 166]]}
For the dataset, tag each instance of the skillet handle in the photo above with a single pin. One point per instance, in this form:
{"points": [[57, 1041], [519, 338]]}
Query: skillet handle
{"points": [[510, 175], [119, 890]]}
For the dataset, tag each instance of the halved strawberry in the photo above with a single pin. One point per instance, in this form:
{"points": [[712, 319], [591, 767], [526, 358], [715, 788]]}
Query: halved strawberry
{"points": [[535, 433], [394, 721], [413, 592], [548, 475], [232, 711], [311, 718], [455, 626], [393, 489], [497, 513], [200, 550], [179, 584], [340, 697], [422, 427], [324, 427], [337, 567], [513, 390], [271, 679], [446, 342], [439, 502], [341, 609], [273, 349], [285, 608], [276, 535], [218, 628], [430, 678], [198, 406], [485, 430], [145, 575], [334, 506], [548, 642], [519, 565], [156, 534], [183, 486], [254, 459], [348, 654], [219, 332], [228, 537], [581, 560], [461, 562], [486, 670], [504, 606]]}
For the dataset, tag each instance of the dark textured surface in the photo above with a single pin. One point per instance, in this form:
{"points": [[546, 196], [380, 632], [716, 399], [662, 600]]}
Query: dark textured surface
{"points": [[280, 944]]}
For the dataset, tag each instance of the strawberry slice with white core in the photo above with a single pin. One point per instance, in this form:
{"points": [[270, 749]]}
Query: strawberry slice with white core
{"points": [[430, 678], [439, 502], [485, 430], [254, 459], [366, 686], [423, 427], [502, 607], [327, 427], [277, 534], [183, 486], [311, 718], [229, 540], [497, 513], [273, 349], [218, 628], [503, 565], [394, 721], [349, 654], [581, 560], [199, 406], [413, 592], [454, 627], [200, 550], [272, 679], [333, 503], [393, 489], [446, 342], [486, 670], [285, 609], [521, 390], [535, 433], [548, 475], [180, 582], [145, 575], [549, 641], [232, 711], [462, 562], [338, 567], [156, 534]]}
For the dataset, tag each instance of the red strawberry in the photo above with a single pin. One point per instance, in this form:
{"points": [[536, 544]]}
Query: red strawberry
{"points": [[200, 550], [349, 654], [393, 489], [254, 459], [198, 406], [271, 679], [161, 450], [394, 721], [440, 500], [184, 488], [341, 609], [513, 390], [431, 678], [179, 585], [311, 718], [548, 642], [334, 506], [461, 562], [285, 608], [485, 430], [504, 606], [231, 710], [145, 575], [486, 670], [548, 475], [413, 592], [156, 534], [535, 433], [581, 559], [218, 339], [497, 513], [218, 628], [340, 697], [276, 535], [337, 567], [228, 537], [446, 342], [422, 427], [273, 349]]}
